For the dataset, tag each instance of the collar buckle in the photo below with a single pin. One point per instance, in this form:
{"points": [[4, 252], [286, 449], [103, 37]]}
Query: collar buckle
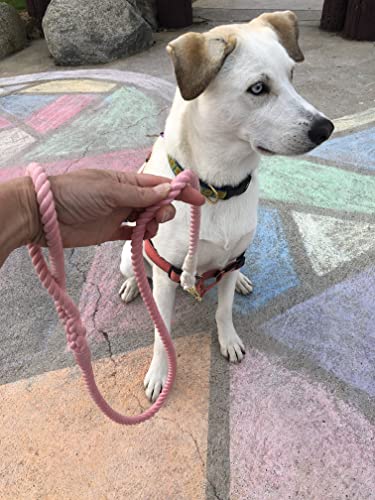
{"points": [[212, 200], [212, 194]]}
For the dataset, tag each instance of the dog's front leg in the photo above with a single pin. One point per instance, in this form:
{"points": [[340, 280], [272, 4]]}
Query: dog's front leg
{"points": [[231, 346], [164, 292]]}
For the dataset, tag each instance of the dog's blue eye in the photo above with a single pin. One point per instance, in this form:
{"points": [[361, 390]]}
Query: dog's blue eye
{"points": [[258, 88]]}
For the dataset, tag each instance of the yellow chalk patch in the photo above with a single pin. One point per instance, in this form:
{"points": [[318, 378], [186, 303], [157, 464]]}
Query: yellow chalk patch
{"points": [[353, 121], [70, 86]]}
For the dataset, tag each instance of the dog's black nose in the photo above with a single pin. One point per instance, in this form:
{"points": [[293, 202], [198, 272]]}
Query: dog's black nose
{"points": [[321, 129]]}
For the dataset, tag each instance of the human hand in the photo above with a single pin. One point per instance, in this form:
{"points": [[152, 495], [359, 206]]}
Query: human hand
{"points": [[92, 204]]}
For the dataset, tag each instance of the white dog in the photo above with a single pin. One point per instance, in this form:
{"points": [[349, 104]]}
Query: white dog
{"points": [[235, 100]]}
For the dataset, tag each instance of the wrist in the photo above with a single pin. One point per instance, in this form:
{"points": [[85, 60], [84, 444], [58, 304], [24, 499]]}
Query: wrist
{"points": [[20, 221], [28, 204]]}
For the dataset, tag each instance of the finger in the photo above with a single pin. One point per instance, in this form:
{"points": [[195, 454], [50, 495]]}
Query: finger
{"points": [[191, 195], [125, 232], [165, 213], [128, 195], [122, 233], [188, 194], [149, 234], [151, 228], [132, 217], [140, 180]]}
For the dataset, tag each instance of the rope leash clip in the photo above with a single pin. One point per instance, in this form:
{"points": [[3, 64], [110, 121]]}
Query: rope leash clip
{"points": [[194, 292]]}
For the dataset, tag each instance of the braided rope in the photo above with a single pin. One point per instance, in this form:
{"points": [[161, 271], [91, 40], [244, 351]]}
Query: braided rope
{"points": [[53, 280]]}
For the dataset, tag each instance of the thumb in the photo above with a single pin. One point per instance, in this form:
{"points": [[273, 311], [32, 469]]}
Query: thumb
{"points": [[129, 195]]}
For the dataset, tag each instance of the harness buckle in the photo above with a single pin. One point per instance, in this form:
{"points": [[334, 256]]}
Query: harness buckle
{"points": [[175, 270]]}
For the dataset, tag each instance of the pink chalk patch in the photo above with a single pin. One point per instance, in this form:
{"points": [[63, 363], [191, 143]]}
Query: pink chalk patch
{"points": [[128, 160], [7, 174], [101, 307], [58, 112], [4, 122], [291, 438]]}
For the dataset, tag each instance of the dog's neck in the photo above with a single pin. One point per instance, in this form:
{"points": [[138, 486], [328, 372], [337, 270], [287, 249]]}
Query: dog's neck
{"points": [[198, 140]]}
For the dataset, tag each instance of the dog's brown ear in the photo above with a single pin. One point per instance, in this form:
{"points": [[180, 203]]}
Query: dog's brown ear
{"points": [[286, 26], [197, 59]]}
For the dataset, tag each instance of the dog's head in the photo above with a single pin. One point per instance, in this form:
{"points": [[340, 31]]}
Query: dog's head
{"points": [[243, 74]]}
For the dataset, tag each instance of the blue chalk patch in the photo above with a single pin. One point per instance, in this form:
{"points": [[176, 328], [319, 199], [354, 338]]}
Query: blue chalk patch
{"points": [[269, 264], [23, 106], [355, 149]]}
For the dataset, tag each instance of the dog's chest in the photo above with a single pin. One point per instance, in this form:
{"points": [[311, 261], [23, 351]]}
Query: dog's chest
{"points": [[226, 229], [227, 222]]}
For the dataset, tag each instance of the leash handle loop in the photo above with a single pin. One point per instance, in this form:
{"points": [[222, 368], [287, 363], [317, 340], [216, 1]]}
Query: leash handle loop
{"points": [[53, 279]]}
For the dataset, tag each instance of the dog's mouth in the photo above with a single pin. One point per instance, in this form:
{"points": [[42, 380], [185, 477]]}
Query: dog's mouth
{"points": [[264, 151]]}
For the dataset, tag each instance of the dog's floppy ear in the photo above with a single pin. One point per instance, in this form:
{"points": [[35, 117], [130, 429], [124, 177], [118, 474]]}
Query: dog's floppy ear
{"points": [[197, 59], [286, 26]]}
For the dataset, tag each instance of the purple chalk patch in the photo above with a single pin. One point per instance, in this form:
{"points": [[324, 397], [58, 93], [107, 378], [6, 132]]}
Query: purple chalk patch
{"points": [[335, 329], [290, 438]]}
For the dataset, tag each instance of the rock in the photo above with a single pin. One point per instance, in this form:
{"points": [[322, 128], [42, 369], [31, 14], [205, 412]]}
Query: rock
{"points": [[94, 31], [147, 9], [12, 31]]}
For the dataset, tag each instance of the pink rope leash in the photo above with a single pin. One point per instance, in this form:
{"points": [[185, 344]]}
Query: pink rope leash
{"points": [[53, 280]]}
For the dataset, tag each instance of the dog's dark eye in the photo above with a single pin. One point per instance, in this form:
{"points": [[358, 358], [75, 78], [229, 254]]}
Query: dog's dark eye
{"points": [[258, 88]]}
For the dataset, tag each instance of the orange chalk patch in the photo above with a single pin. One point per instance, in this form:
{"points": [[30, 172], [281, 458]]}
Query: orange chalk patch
{"points": [[55, 443]]}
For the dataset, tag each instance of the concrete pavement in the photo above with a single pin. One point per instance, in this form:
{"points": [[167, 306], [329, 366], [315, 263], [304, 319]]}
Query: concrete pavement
{"points": [[296, 419]]}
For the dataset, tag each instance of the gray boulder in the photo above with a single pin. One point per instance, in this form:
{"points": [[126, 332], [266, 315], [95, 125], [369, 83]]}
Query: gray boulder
{"points": [[94, 31], [147, 9], [12, 31]]}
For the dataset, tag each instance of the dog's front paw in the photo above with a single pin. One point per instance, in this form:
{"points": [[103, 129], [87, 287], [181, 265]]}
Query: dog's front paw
{"points": [[231, 347], [243, 285], [155, 378], [129, 290]]}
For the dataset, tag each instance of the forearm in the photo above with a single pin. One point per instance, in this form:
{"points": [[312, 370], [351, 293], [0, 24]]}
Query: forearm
{"points": [[18, 215]]}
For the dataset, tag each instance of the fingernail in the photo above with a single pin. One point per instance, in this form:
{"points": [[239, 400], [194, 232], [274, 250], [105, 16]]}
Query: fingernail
{"points": [[162, 189]]}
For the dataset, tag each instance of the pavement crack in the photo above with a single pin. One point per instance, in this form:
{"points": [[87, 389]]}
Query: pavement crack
{"points": [[142, 408], [97, 328], [193, 439], [196, 445], [77, 265], [96, 308], [214, 490], [107, 339]]}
